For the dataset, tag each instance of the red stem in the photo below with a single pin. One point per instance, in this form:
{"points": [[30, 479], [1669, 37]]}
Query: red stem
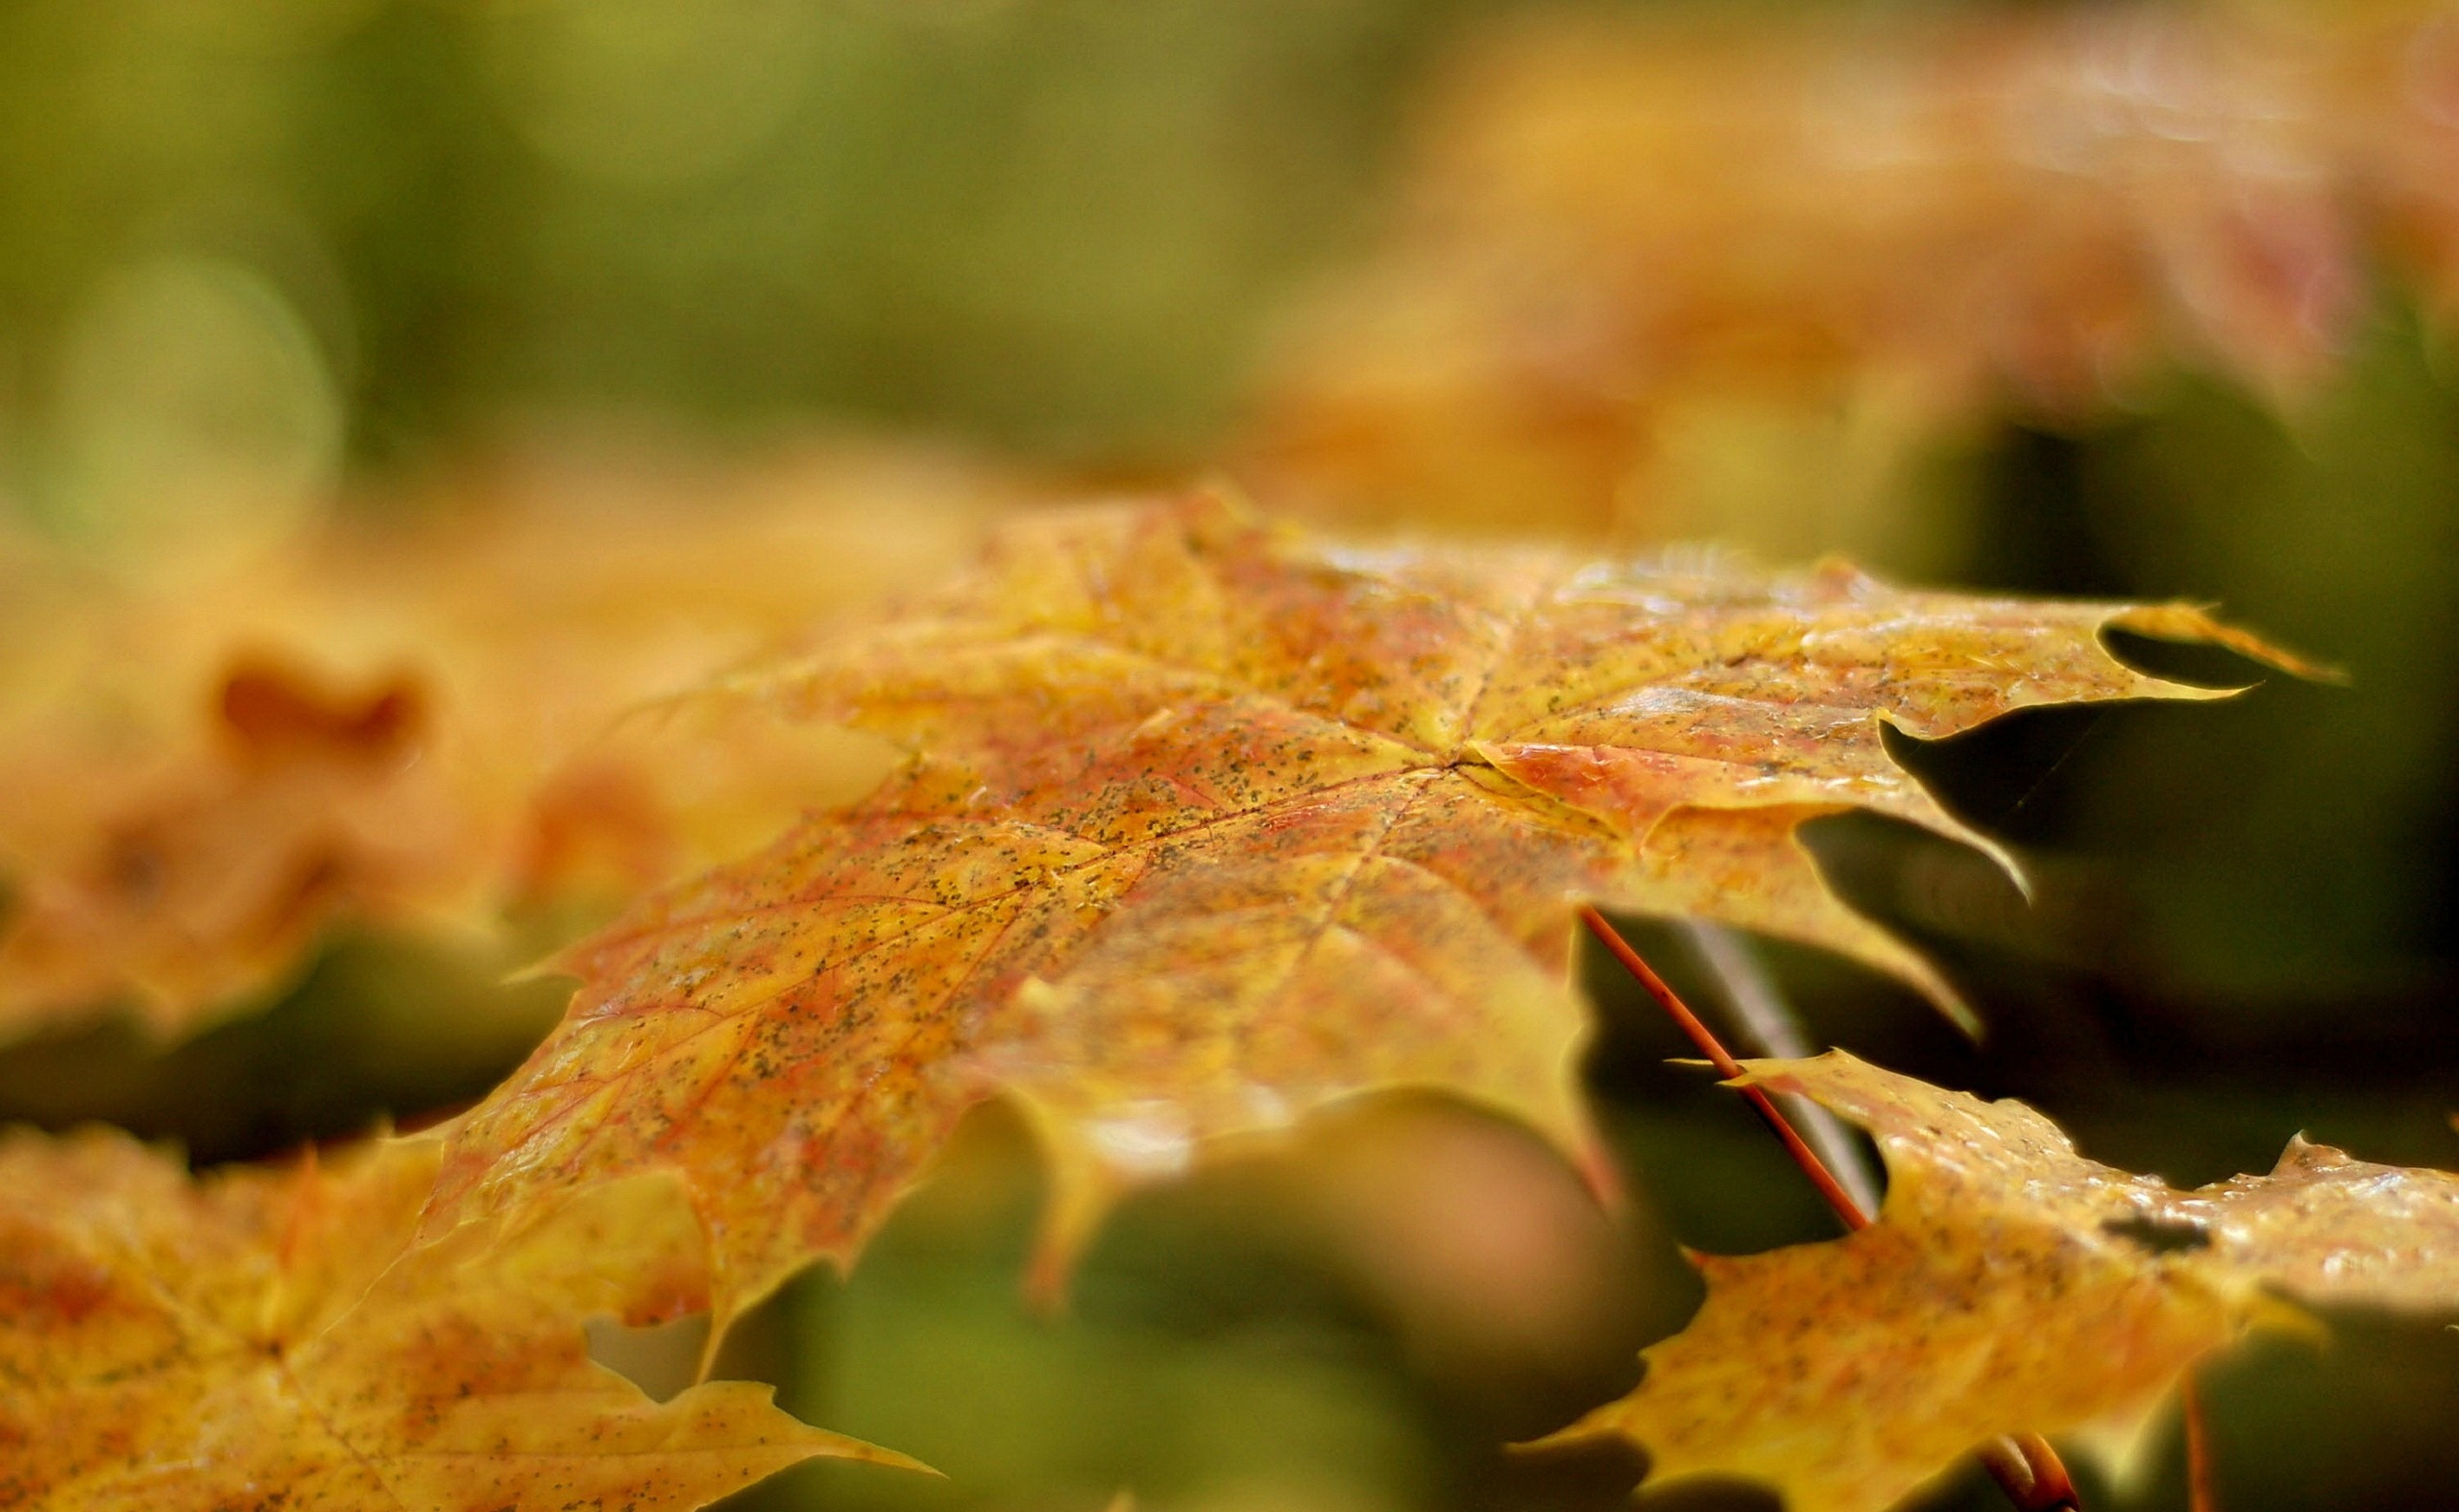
{"points": [[2024, 1465], [2198, 1494], [1820, 1177], [2031, 1473]]}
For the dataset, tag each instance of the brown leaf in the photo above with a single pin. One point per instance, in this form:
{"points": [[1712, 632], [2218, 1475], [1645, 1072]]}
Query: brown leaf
{"points": [[260, 1338], [1211, 824], [2010, 1286]]}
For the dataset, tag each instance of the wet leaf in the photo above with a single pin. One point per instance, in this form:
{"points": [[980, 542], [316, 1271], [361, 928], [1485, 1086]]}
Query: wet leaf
{"points": [[2008, 1285], [260, 1338], [1210, 825]]}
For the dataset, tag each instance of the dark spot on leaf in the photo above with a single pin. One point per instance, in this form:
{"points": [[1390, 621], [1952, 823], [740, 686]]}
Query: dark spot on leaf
{"points": [[2159, 1235]]}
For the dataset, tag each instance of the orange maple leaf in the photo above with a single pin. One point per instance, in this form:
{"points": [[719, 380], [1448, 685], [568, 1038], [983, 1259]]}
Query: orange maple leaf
{"points": [[1211, 824], [1612, 224], [408, 725], [261, 1338], [2008, 1285]]}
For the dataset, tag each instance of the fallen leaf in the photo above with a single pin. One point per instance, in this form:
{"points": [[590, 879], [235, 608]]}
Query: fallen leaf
{"points": [[2008, 1285], [259, 1338], [1211, 824], [414, 721]]}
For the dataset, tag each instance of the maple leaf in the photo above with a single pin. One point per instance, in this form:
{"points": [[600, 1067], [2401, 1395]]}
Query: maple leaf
{"points": [[413, 724], [1614, 226], [260, 1338], [2008, 1285], [203, 878], [1211, 824]]}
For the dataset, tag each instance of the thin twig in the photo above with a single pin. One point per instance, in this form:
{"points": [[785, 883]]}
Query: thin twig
{"points": [[2024, 1465]]}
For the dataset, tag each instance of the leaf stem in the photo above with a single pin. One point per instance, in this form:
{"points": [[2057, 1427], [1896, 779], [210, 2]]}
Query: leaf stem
{"points": [[2031, 1473], [2198, 1492], [2024, 1464], [1763, 1024], [1702, 1036]]}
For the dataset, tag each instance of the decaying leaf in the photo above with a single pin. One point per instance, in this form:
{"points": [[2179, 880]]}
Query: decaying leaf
{"points": [[2010, 1286], [1210, 825], [409, 723], [1615, 229], [260, 1338]]}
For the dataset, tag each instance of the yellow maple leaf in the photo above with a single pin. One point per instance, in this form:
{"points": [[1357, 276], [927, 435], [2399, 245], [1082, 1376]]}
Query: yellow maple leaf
{"points": [[261, 1338], [2010, 1286], [1211, 824]]}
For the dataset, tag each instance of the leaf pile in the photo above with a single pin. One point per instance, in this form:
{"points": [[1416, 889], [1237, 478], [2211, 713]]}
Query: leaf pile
{"points": [[1210, 825], [2008, 1285], [1616, 227]]}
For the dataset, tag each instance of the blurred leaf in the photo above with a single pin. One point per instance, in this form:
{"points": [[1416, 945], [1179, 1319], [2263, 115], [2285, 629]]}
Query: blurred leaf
{"points": [[263, 1337], [417, 724], [1626, 238]]}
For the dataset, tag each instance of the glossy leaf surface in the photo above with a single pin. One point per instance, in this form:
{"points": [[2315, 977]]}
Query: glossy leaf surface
{"points": [[1210, 825], [2010, 1286]]}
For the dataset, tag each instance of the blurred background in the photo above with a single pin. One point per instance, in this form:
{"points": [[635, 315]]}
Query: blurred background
{"points": [[297, 297]]}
